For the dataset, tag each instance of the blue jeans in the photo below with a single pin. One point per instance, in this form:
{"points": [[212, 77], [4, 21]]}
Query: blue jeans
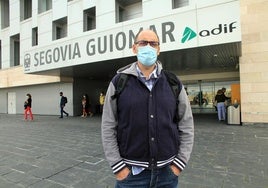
{"points": [[157, 178], [221, 111]]}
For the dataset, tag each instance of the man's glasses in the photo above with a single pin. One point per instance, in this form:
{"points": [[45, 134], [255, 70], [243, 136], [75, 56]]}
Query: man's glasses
{"points": [[145, 43]]}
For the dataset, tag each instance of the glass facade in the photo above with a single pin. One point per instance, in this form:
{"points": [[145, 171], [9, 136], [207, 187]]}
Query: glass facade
{"points": [[206, 91]]}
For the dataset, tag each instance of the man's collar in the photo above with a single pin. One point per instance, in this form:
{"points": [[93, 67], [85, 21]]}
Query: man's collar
{"points": [[152, 75]]}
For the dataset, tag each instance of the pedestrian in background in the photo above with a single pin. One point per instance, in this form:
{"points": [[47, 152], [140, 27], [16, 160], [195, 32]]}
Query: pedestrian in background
{"points": [[147, 135], [101, 100], [89, 107], [84, 106], [63, 101], [28, 107], [220, 104]]}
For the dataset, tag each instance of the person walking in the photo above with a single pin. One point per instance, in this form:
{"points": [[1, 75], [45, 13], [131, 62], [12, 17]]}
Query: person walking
{"points": [[63, 101], [147, 133], [28, 107]]}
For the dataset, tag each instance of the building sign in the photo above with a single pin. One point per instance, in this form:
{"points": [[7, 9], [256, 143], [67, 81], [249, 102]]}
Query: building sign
{"points": [[190, 29]]}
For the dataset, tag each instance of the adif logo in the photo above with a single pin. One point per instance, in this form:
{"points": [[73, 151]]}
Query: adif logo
{"points": [[27, 61], [188, 34]]}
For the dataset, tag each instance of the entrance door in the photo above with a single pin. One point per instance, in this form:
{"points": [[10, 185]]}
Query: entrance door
{"points": [[11, 99], [201, 95]]}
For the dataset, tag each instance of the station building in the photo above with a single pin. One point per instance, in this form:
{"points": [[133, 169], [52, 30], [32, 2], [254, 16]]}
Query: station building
{"points": [[76, 46]]}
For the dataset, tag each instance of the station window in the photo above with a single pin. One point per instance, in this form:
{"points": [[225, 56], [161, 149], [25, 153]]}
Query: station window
{"points": [[179, 3], [4, 13], [59, 28], [90, 19], [44, 5], [25, 9], [127, 10], [35, 36], [202, 94], [15, 50]]}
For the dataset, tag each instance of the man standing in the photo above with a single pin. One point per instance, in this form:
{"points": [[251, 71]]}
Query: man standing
{"points": [[63, 101], [143, 143]]}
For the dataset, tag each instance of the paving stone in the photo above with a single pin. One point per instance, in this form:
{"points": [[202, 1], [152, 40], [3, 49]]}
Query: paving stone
{"points": [[46, 184], [64, 178], [54, 153], [5, 170], [84, 184], [45, 172], [28, 181], [23, 167], [90, 159], [6, 184], [15, 176]]}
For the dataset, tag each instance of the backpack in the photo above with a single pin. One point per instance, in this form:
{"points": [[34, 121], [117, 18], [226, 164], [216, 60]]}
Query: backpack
{"points": [[65, 100], [172, 79]]}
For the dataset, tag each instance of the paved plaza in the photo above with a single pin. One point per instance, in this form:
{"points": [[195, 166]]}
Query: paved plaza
{"points": [[67, 153]]}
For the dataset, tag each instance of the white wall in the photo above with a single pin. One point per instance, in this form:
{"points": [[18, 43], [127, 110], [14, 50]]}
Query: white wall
{"points": [[5, 42], [59, 9], [105, 14], [45, 98], [75, 18], [14, 17]]}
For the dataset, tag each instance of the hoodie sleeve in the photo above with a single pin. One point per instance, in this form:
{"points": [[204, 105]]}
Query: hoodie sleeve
{"points": [[109, 133], [186, 131]]}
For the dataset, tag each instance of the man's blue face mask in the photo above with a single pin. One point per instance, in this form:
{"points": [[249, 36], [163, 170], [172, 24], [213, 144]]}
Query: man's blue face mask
{"points": [[147, 55]]}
